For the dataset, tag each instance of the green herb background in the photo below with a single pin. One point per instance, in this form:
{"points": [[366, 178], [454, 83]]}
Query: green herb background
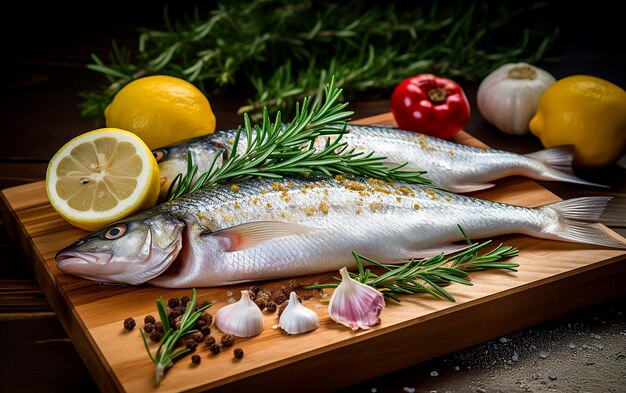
{"points": [[283, 50]]}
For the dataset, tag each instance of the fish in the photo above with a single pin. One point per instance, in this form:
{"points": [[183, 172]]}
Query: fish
{"points": [[262, 229], [451, 166]]}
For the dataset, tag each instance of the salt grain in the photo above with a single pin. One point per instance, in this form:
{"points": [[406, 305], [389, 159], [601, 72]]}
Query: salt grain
{"points": [[552, 376], [434, 374], [543, 354], [408, 389], [457, 368], [571, 345]]}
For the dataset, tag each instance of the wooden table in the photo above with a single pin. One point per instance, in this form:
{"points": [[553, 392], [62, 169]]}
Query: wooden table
{"points": [[38, 113]]}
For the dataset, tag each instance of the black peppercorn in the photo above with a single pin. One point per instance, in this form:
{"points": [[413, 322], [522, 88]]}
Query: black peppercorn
{"points": [[228, 340], [282, 307], [279, 296], [173, 302], [209, 340], [238, 352], [195, 359], [271, 307], [148, 328], [184, 300], [149, 319], [205, 330], [197, 337], [129, 323], [261, 299], [199, 323], [207, 317], [158, 326], [203, 304], [191, 344], [215, 349], [156, 336]]}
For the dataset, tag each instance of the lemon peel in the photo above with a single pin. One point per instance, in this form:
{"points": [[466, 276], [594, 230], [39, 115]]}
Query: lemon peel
{"points": [[161, 110]]}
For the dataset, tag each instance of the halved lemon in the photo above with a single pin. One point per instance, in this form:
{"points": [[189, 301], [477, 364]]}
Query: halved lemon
{"points": [[102, 176]]}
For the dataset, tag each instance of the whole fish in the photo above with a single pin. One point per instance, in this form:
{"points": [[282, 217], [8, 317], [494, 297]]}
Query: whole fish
{"points": [[454, 167], [265, 229]]}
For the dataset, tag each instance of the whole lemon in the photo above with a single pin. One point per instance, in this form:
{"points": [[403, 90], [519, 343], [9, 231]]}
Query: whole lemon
{"points": [[587, 112], [161, 110]]}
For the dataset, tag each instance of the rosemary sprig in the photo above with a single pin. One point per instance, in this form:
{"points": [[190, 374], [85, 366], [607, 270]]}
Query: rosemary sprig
{"points": [[280, 48], [167, 352], [274, 150], [430, 275]]}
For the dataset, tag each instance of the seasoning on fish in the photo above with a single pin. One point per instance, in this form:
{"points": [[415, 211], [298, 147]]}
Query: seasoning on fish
{"points": [[451, 166], [202, 240]]}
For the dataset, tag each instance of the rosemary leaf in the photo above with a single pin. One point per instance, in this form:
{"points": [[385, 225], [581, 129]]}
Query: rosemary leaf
{"points": [[284, 50], [166, 353], [274, 150], [430, 275]]}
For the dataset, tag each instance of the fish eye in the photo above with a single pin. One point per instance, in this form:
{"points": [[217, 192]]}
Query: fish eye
{"points": [[159, 154], [115, 232]]}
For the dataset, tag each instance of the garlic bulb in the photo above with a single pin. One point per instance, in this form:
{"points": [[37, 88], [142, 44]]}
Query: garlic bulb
{"points": [[296, 318], [354, 304], [508, 97], [242, 319]]}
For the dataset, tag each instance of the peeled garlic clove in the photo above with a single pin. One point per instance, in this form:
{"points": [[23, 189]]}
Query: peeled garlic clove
{"points": [[296, 318], [354, 304], [242, 319]]}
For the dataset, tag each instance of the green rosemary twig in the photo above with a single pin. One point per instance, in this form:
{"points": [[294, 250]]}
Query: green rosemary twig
{"points": [[430, 275], [274, 150], [280, 48], [166, 354]]}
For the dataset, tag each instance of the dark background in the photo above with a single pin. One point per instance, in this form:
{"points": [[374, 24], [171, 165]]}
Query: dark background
{"points": [[43, 44], [44, 53]]}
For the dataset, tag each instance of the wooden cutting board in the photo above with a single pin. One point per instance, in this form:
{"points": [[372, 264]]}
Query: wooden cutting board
{"points": [[553, 278]]}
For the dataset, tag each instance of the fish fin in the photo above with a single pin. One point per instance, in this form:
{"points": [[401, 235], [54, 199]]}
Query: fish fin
{"points": [[579, 221], [468, 187], [558, 162], [446, 248], [251, 234]]}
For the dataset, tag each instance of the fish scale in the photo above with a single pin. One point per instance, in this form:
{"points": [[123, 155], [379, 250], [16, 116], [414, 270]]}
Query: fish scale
{"points": [[451, 166], [262, 229]]}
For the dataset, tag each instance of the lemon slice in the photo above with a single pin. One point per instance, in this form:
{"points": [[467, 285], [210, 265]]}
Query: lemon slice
{"points": [[102, 176]]}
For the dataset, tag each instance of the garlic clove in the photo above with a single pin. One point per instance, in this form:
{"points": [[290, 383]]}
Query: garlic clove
{"points": [[242, 319], [508, 97], [296, 318], [354, 304]]}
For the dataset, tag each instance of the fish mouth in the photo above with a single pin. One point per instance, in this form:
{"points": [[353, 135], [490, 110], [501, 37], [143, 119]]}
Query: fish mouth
{"points": [[92, 265]]}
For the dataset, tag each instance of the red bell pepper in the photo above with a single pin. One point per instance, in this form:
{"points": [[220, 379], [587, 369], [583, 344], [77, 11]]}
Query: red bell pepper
{"points": [[431, 105]]}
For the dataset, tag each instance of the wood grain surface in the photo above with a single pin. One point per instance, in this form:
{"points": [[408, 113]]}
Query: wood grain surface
{"points": [[547, 285]]}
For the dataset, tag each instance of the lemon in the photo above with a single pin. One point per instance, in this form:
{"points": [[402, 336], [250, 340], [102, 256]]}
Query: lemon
{"points": [[161, 110], [587, 112], [102, 176]]}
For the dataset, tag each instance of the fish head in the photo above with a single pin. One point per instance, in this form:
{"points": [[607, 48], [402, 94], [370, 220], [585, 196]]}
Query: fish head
{"points": [[172, 159], [132, 251]]}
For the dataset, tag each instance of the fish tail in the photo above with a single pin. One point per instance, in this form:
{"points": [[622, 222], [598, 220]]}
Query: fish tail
{"points": [[578, 221], [558, 165]]}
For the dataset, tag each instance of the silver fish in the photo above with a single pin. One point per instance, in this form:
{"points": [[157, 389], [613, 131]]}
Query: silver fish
{"points": [[451, 166], [263, 229]]}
